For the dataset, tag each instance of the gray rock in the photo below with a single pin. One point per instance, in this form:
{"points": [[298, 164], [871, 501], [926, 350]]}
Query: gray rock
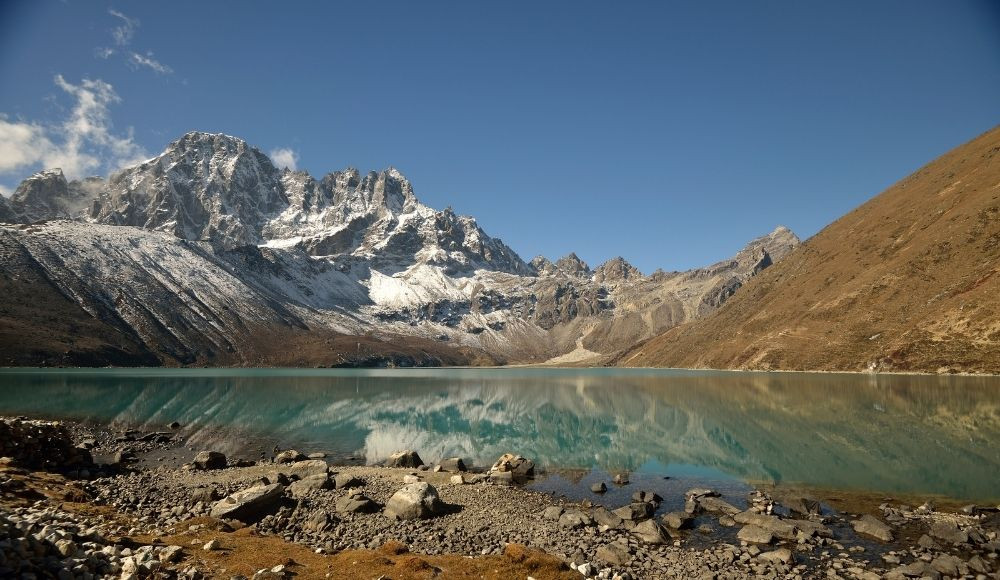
{"points": [[678, 520], [755, 535], [651, 532], [647, 497], [599, 487], [871, 526], [717, 505], [519, 467], [414, 501], [603, 517], [290, 456], [635, 511], [406, 458], [301, 469], [311, 483], [949, 532], [356, 503], [777, 527], [779, 556], [453, 465], [613, 554], [209, 460], [552, 512], [346, 481], [574, 519], [249, 505]]}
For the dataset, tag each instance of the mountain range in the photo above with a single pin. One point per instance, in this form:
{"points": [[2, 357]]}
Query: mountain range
{"points": [[208, 254]]}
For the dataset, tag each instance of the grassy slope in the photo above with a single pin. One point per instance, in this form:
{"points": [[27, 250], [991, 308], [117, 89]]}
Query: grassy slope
{"points": [[905, 282]]}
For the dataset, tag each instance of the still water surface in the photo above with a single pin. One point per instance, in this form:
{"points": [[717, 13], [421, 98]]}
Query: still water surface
{"points": [[892, 434]]}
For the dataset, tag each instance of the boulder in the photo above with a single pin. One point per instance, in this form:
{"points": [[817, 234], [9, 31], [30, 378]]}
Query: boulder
{"points": [[453, 465], [678, 520], [779, 556], [517, 466], [457, 479], [635, 511], [574, 519], [406, 458], [300, 470], [755, 535], [311, 483], [715, 504], [621, 479], [552, 512], [356, 503], [209, 460], [872, 526], [318, 522], [779, 528], [249, 505], [414, 501], [290, 456], [651, 532], [646, 496], [599, 487], [603, 517], [346, 481], [613, 554], [949, 532]]}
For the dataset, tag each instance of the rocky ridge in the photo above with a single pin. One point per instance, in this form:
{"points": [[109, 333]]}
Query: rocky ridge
{"points": [[195, 253]]}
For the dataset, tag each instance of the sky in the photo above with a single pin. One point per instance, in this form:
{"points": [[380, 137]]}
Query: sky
{"points": [[670, 133]]}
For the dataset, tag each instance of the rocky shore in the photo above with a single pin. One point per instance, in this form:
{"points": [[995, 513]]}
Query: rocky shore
{"points": [[78, 502]]}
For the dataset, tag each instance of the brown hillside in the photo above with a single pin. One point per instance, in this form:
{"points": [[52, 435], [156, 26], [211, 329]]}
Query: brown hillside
{"points": [[905, 282]]}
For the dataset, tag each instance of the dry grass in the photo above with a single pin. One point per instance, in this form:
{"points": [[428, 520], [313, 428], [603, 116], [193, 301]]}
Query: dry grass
{"points": [[905, 282]]}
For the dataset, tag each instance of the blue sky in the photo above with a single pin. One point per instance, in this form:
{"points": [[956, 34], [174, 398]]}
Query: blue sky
{"points": [[666, 132]]}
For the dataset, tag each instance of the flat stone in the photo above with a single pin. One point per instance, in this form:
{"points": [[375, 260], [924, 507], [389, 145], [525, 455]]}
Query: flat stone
{"points": [[249, 505], [717, 505], [871, 526], [949, 532], [755, 535], [779, 528], [311, 483]]}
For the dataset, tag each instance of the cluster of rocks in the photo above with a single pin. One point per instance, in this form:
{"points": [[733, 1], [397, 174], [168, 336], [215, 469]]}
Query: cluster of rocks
{"points": [[43, 541], [46, 445]]}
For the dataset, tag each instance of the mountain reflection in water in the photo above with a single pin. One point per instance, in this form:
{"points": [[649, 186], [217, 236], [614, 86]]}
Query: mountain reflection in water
{"points": [[919, 434]]}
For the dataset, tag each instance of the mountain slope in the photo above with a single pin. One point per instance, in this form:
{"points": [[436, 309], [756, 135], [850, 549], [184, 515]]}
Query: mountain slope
{"points": [[209, 254], [905, 282]]}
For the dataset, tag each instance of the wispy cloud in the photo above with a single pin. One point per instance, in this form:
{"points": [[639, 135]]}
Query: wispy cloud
{"points": [[123, 34], [138, 60], [285, 157], [82, 144]]}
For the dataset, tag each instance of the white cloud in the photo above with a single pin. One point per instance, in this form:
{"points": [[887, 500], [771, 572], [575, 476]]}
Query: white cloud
{"points": [[138, 60], [285, 157], [124, 32], [81, 145], [5, 191]]}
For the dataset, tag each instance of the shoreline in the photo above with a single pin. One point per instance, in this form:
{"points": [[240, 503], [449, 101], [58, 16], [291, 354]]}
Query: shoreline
{"points": [[484, 517]]}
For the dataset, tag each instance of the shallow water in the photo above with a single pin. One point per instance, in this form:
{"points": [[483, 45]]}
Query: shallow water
{"points": [[891, 434]]}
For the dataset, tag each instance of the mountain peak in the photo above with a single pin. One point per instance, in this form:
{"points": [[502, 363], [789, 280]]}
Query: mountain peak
{"points": [[615, 270], [572, 265]]}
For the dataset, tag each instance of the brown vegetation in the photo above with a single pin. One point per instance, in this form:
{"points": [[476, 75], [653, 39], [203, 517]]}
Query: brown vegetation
{"points": [[905, 282]]}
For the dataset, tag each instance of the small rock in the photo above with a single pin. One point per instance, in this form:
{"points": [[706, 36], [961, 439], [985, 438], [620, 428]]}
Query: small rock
{"points": [[206, 460], [406, 458], [599, 487], [414, 501]]}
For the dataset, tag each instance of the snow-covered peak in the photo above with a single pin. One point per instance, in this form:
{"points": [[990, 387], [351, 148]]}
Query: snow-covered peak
{"points": [[47, 195]]}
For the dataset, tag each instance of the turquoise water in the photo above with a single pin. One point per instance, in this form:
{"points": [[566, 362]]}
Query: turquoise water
{"points": [[892, 434]]}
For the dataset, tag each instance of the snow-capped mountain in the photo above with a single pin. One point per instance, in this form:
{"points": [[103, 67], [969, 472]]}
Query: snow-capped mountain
{"points": [[208, 253]]}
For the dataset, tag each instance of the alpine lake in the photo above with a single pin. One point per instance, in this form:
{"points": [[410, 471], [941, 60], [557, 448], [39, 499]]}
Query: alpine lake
{"points": [[668, 430]]}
